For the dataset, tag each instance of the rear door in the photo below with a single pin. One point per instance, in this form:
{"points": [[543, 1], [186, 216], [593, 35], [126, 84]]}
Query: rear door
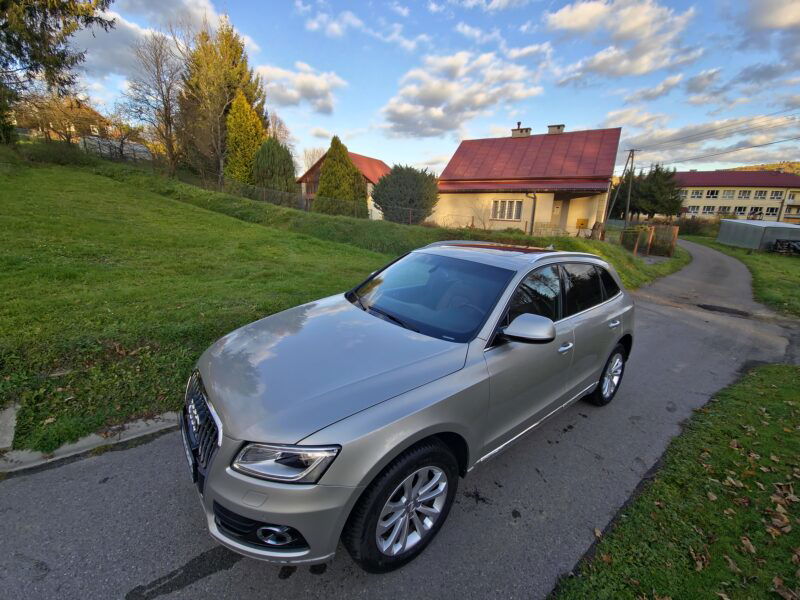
{"points": [[528, 380], [594, 316]]}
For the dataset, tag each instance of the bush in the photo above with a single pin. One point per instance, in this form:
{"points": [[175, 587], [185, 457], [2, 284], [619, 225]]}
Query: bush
{"points": [[58, 153], [705, 227], [342, 189], [406, 195]]}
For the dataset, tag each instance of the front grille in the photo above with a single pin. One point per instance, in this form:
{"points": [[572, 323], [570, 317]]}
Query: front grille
{"points": [[257, 533], [201, 428]]}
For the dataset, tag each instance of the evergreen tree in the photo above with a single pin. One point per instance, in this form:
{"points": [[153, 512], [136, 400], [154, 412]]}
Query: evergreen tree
{"points": [[273, 167], [342, 189], [245, 134], [406, 194]]}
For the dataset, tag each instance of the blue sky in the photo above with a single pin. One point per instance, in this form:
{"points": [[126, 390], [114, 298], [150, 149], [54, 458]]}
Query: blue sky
{"points": [[405, 80]]}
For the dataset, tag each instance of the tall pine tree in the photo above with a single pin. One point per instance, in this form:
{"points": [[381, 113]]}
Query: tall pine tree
{"points": [[245, 134], [273, 167], [342, 189]]}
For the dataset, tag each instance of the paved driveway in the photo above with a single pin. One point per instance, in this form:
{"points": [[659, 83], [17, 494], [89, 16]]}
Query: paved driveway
{"points": [[127, 524]]}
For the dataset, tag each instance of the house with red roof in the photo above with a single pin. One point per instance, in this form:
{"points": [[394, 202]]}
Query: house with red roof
{"points": [[759, 195], [372, 169], [547, 184]]}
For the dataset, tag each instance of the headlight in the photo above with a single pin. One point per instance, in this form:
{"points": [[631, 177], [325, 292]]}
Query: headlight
{"points": [[291, 464]]}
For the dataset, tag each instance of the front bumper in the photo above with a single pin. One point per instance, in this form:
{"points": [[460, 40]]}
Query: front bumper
{"points": [[317, 512]]}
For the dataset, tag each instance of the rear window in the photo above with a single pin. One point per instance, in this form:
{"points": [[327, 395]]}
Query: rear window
{"points": [[609, 285], [582, 286]]}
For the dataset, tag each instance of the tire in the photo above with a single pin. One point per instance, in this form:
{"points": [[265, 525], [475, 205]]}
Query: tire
{"points": [[421, 464], [602, 395]]}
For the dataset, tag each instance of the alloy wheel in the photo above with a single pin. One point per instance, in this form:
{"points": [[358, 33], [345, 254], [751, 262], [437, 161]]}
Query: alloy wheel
{"points": [[612, 375]]}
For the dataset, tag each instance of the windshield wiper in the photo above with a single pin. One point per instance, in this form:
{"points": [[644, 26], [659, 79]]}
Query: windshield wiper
{"points": [[391, 317], [358, 300]]}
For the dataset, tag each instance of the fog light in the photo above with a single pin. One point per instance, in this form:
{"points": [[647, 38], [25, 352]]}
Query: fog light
{"points": [[276, 535]]}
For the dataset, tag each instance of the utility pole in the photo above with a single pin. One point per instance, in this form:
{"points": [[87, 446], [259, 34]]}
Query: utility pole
{"points": [[630, 187]]}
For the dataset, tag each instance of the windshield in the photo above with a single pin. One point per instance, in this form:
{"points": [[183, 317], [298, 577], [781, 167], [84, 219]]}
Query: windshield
{"points": [[443, 297]]}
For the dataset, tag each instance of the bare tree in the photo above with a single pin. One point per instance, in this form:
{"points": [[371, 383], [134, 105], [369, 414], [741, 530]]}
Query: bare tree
{"points": [[121, 130], [278, 129], [311, 156], [152, 94]]}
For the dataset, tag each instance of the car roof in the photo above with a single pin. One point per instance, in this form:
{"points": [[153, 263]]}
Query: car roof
{"points": [[507, 256]]}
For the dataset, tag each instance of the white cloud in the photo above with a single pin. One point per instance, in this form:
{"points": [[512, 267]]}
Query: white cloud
{"points": [[448, 91], [645, 36], [334, 26], [634, 117], [319, 132], [544, 50], [289, 88], [491, 5], [434, 7], [163, 13], [395, 35], [300, 7], [703, 81], [401, 10], [662, 89], [774, 14], [109, 52], [528, 27], [477, 34]]}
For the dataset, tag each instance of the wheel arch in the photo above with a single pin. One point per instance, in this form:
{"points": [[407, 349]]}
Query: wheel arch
{"points": [[627, 343]]}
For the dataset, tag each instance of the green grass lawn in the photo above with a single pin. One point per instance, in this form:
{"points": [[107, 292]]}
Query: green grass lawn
{"points": [[721, 517], [109, 293], [776, 277]]}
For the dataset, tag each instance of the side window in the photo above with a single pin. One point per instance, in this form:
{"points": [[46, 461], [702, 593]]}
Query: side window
{"points": [[609, 285], [538, 294], [582, 287]]}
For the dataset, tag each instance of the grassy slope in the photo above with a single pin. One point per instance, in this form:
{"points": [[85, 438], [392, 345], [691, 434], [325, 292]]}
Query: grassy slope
{"points": [[108, 293], [776, 278], [379, 236], [720, 519]]}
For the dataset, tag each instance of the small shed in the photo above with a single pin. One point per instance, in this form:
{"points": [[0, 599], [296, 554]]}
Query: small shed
{"points": [[758, 235]]}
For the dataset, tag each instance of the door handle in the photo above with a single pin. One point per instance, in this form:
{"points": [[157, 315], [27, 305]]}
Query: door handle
{"points": [[565, 347], [613, 324]]}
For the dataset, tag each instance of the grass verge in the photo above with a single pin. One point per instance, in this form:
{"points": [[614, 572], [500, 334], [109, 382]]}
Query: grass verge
{"points": [[720, 518], [379, 236], [109, 293], [776, 277]]}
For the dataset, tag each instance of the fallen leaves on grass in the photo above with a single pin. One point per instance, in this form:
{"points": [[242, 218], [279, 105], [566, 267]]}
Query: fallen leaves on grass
{"points": [[731, 564], [748, 545], [701, 559]]}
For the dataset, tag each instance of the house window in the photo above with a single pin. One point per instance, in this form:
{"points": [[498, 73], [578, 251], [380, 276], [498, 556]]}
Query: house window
{"points": [[772, 211], [727, 194], [712, 194], [724, 210], [507, 210], [744, 194], [709, 210], [693, 209], [761, 195], [776, 195], [697, 193], [741, 210], [683, 194]]}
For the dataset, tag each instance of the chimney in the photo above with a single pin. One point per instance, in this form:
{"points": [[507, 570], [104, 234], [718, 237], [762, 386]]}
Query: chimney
{"points": [[520, 131], [555, 128]]}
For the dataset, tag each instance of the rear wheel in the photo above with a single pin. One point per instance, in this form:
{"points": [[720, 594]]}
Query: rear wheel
{"points": [[610, 379], [403, 509]]}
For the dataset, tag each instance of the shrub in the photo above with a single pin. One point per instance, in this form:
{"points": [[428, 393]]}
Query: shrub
{"points": [[342, 189], [706, 227], [273, 167], [59, 153], [245, 136], [406, 195]]}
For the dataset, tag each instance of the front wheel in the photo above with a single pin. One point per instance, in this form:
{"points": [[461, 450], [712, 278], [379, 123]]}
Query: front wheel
{"points": [[403, 509], [610, 379]]}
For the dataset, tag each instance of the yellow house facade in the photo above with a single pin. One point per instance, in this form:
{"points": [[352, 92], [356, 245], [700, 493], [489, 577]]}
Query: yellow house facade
{"points": [[550, 184], [759, 195]]}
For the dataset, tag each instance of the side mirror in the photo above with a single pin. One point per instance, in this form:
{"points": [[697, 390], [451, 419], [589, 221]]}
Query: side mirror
{"points": [[529, 328]]}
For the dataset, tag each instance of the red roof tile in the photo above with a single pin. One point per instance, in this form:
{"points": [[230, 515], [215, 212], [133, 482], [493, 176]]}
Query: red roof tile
{"points": [[371, 168], [768, 179], [526, 185], [582, 154]]}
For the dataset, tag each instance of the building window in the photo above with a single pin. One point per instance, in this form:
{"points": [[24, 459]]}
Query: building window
{"points": [[709, 210], [741, 210], [772, 211], [712, 194], [727, 194], [683, 194], [761, 195], [693, 209], [790, 197], [756, 210], [744, 194], [723, 210], [697, 193], [507, 210], [776, 195]]}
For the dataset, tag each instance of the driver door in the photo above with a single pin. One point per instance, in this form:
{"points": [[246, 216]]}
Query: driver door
{"points": [[527, 381]]}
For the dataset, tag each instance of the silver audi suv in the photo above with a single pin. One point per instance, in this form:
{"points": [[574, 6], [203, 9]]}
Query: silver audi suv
{"points": [[352, 417]]}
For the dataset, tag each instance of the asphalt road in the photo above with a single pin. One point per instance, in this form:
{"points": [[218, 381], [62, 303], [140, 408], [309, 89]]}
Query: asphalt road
{"points": [[127, 524]]}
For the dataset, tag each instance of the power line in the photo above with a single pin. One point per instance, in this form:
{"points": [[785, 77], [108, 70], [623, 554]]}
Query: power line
{"points": [[683, 160]]}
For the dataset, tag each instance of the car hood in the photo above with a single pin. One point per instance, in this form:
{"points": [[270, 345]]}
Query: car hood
{"points": [[284, 377]]}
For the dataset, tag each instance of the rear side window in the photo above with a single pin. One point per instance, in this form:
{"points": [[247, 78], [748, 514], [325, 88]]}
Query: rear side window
{"points": [[538, 294], [609, 285], [582, 287]]}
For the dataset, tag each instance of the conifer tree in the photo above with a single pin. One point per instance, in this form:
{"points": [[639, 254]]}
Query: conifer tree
{"points": [[406, 195], [342, 189], [273, 167], [245, 134]]}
